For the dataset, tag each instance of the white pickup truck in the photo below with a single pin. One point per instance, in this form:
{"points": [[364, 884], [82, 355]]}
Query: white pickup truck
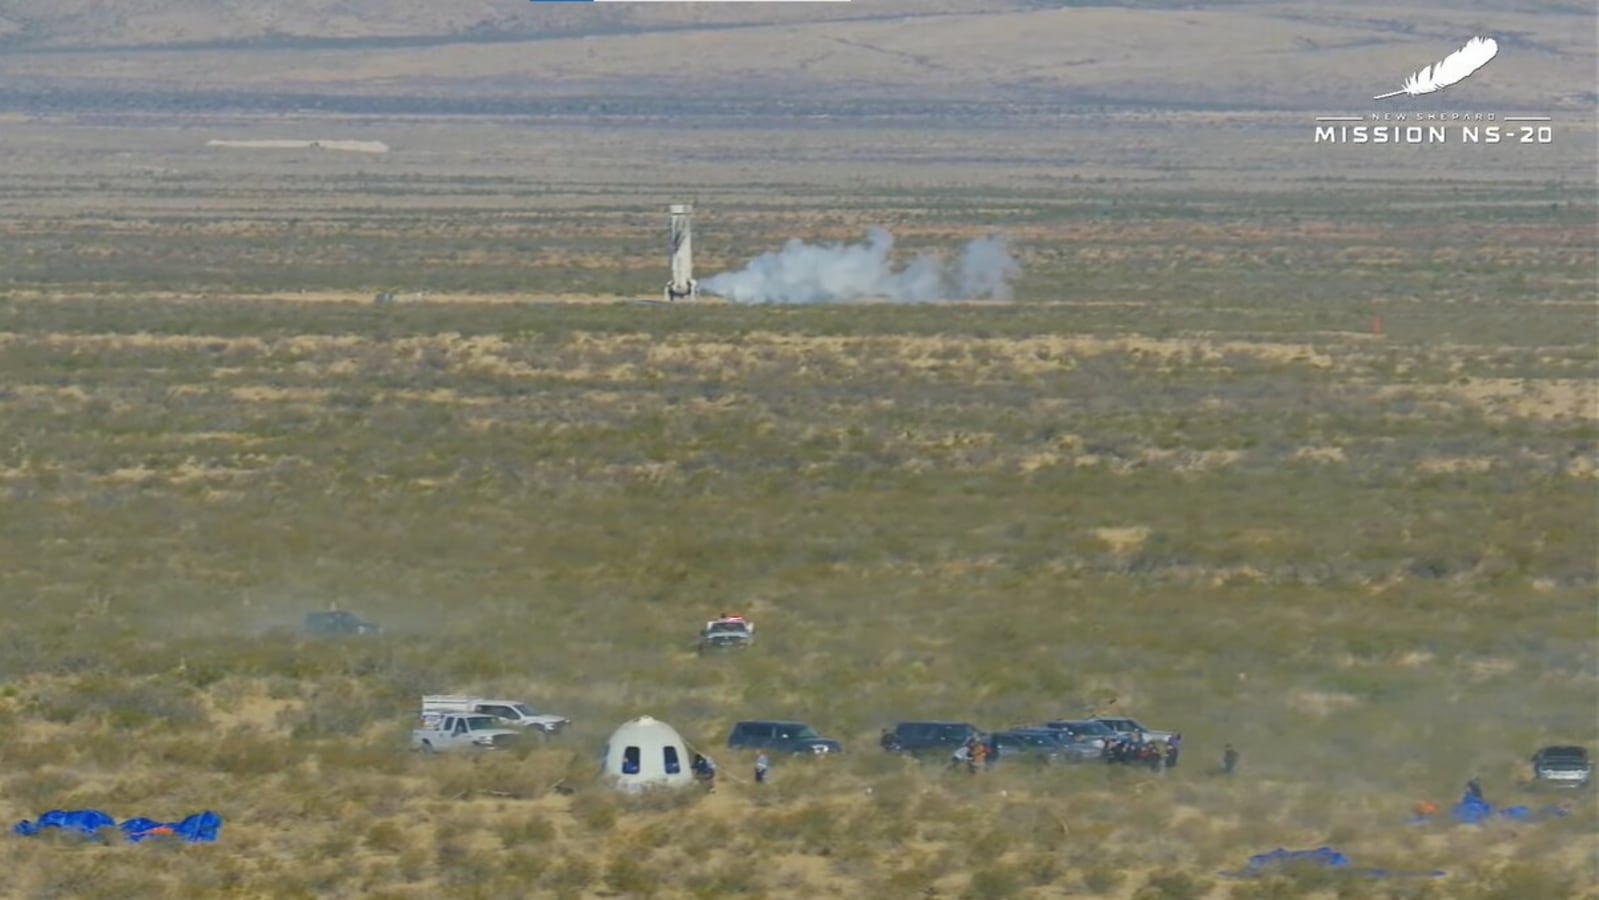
{"points": [[1132, 728], [511, 711], [440, 733]]}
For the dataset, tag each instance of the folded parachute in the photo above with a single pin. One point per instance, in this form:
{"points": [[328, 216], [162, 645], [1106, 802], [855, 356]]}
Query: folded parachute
{"points": [[1281, 860], [1322, 857], [200, 828]]}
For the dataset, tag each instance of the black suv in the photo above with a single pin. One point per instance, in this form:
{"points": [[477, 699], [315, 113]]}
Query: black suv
{"points": [[337, 624], [1561, 767], [1046, 745], [782, 737], [918, 738]]}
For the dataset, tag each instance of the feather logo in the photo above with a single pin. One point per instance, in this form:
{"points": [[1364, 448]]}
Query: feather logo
{"points": [[1452, 68]]}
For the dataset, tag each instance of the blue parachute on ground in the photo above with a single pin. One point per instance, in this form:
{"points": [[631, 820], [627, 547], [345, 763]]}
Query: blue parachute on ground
{"points": [[200, 828], [1322, 858], [1473, 810]]}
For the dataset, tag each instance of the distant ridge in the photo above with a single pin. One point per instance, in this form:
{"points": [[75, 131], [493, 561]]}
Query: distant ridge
{"points": [[347, 146], [173, 24], [1257, 55]]}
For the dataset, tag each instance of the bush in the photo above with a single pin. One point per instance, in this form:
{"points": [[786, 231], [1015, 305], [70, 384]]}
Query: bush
{"points": [[1102, 879], [628, 875], [994, 882], [1171, 884]]}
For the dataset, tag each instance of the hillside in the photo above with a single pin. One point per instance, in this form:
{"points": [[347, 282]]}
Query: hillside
{"points": [[85, 24], [1242, 55]]}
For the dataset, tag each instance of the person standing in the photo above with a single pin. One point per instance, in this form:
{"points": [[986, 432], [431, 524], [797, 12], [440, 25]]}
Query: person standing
{"points": [[705, 772], [1174, 744], [1229, 760], [761, 765], [888, 741], [979, 756], [961, 757]]}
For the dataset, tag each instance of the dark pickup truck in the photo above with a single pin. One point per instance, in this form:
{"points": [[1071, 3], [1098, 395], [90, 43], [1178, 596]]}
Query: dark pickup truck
{"points": [[1562, 766]]}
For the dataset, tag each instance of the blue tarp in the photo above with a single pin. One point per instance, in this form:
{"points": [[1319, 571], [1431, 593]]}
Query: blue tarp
{"points": [[1321, 857], [1475, 811], [1325, 857], [200, 828]]}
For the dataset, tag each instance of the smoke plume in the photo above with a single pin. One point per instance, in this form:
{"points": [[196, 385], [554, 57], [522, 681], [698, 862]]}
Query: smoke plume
{"points": [[838, 273]]}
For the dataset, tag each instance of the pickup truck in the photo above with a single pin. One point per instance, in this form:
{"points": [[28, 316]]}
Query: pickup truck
{"points": [[1132, 728], [440, 733], [511, 711], [1089, 731], [726, 633], [1562, 766]]}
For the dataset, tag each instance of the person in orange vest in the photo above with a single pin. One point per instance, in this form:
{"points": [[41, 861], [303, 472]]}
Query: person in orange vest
{"points": [[979, 755]]}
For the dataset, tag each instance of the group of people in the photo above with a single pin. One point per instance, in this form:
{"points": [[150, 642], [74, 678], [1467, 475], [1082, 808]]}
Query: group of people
{"points": [[974, 755], [705, 771], [1128, 749], [1133, 750], [977, 754]]}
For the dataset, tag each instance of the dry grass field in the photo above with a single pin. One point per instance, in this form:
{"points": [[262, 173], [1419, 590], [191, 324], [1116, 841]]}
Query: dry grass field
{"points": [[1293, 449], [1181, 472]]}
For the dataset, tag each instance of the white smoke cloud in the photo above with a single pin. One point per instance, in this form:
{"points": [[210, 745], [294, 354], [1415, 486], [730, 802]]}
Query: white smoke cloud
{"points": [[803, 273]]}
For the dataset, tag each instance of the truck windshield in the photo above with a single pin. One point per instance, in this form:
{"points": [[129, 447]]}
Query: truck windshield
{"points": [[480, 723], [523, 709]]}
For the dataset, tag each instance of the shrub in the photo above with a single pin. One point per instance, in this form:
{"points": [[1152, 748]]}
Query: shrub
{"points": [[524, 829], [994, 882], [386, 836], [627, 874], [1171, 884], [595, 809], [1518, 880], [1102, 880]]}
